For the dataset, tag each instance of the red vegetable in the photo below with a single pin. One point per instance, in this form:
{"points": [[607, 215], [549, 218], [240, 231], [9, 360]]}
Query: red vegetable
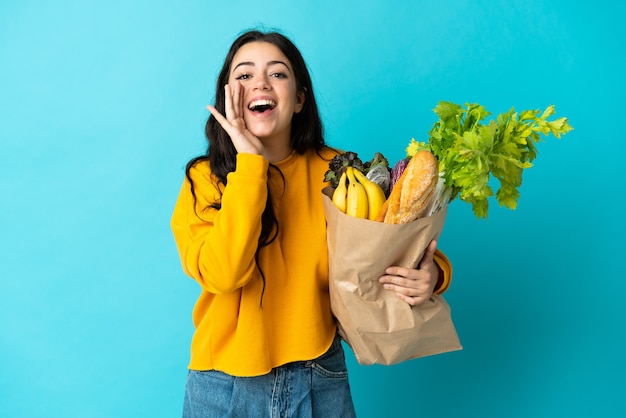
{"points": [[397, 171]]}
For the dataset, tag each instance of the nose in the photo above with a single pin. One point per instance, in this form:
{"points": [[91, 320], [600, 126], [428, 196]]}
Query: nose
{"points": [[262, 82]]}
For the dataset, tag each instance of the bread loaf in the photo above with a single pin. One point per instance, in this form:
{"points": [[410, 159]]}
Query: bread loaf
{"points": [[409, 197]]}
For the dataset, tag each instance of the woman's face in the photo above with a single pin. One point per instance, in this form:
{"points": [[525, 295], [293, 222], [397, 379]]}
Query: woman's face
{"points": [[270, 97]]}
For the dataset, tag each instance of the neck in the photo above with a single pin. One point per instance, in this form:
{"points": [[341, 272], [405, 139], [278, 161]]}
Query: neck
{"points": [[277, 151]]}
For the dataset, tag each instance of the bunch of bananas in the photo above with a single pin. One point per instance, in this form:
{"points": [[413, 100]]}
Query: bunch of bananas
{"points": [[358, 196]]}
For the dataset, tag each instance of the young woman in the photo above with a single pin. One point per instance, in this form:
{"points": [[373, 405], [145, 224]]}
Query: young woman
{"points": [[249, 226]]}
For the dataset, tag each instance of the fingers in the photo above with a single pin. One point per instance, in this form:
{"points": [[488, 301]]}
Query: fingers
{"points": [[413, 301], [232, 106], [232, 121], [233, 101], [411, 291], [397, 271], [220, 118], [411, 285], [406, 286], [229, 109], [410, 295], [237, 95]]}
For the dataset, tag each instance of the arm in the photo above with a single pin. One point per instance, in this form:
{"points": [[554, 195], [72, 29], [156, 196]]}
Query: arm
{"points": [[444, 274], [217, 247]]}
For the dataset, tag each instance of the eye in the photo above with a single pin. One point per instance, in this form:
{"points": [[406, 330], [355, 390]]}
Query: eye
{"points": [[278, 74], [243, 76]]}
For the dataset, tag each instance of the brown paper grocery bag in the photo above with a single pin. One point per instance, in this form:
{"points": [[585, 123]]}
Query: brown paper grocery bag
{"points": [[379, 327]]}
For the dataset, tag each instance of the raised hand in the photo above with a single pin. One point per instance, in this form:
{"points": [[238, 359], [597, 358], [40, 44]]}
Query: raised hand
{"points": [[234, 123]]}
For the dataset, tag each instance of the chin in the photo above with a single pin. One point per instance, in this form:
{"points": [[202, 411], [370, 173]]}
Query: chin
{"points": [[261, 133], [260, 130], [264, 134]]}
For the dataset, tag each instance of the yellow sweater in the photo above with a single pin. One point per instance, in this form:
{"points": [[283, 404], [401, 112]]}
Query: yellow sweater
{"points": [[235, 333]]}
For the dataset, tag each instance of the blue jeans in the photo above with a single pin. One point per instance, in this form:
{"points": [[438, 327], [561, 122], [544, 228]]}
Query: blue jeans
{"points": [[305, 389]]}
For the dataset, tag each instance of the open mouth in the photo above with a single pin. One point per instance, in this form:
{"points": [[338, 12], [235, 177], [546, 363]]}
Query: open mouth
{"points": [[261, 106]]}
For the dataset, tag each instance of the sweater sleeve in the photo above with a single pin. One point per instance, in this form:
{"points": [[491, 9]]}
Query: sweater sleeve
{"points": [[445, 272], [217, 247]]}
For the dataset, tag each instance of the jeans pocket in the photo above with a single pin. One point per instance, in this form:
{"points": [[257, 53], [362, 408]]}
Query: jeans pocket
{"points": [[208, 394], [331, 364]]}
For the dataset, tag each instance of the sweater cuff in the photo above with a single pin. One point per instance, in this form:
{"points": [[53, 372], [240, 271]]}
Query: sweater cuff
{"points": [[251, 165], [445, 272]]}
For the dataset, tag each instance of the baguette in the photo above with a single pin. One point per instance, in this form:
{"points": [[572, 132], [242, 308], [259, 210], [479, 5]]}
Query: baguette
{"points": [[409, 197]]}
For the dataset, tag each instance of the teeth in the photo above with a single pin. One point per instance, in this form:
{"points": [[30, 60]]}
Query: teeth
{"points": [[263, 102]]}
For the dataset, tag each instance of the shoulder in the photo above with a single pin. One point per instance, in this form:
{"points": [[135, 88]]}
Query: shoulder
{"points": [[200, 170], [202, 178], [318, 162], [325, 154], [330, 152]]}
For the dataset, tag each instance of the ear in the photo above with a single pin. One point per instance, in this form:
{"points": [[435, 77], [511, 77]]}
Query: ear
{"points": [[300, 98]]}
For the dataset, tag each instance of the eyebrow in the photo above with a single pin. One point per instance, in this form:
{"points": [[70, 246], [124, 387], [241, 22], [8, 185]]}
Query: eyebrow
{"points": [[268, 63]]}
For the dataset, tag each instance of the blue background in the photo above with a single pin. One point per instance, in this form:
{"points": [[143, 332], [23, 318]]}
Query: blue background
{"points": [[102, 104]]}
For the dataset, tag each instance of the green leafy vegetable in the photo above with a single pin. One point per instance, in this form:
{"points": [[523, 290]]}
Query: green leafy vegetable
{"points": [[377, 160], [338, 165], [471, 150]]}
